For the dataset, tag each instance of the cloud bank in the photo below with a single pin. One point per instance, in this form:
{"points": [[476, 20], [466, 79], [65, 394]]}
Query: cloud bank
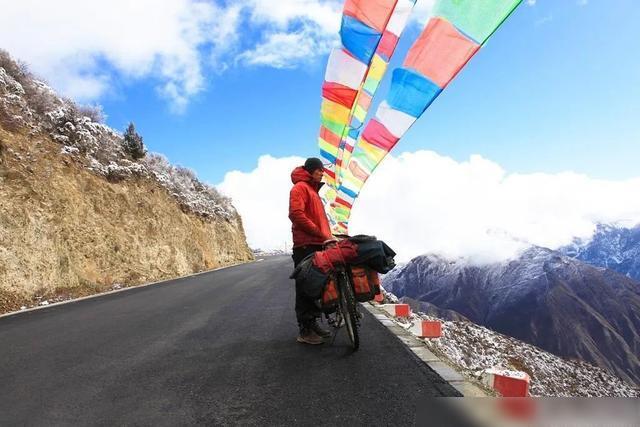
{"points": [[423, 202], [262, 199], [79, 45], [83, 48]]}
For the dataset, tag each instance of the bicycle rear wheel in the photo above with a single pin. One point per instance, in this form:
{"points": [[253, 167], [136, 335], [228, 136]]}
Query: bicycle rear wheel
{"points": [[348, 309]]}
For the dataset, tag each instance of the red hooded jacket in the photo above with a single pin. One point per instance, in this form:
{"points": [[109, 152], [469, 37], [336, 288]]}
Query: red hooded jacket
{"points": [[306, 211]]}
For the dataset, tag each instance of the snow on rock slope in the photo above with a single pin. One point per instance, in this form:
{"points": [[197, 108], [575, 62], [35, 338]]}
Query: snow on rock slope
{"points": [[471, 348], [557, 303], [78, 216], [27, 104]]}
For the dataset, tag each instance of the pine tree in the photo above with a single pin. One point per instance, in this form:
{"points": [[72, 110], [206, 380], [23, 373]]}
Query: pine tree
{"points": [[132, 143]]}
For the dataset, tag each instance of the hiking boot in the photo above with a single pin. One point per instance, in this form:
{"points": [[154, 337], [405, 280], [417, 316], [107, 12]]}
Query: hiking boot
{"points": [[319, 331], [308, 336]]}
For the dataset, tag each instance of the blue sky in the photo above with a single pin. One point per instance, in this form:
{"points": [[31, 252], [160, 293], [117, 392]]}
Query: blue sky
{"points": [[216, 85], [556, 89]]}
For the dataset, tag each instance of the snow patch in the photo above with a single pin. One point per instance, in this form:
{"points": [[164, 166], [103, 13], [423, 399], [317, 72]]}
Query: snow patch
{"points": [[473, 349], [37, 107]]}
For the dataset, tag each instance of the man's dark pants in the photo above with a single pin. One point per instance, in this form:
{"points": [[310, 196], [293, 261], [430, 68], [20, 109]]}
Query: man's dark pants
{"points": [[306, 310]]}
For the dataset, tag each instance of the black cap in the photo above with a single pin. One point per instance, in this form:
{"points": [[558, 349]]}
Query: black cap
{"points": [[312, 164]]}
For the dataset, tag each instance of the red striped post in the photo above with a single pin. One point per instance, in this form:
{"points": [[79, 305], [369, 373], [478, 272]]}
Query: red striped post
{"points": [[507, 383], [427, 329]]}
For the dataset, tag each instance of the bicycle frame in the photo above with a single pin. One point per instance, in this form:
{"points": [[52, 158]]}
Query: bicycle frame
{"points": [[347, 307]]}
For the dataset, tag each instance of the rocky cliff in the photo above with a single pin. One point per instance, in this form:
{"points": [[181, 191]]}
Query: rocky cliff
{"points": [[78, 217]]}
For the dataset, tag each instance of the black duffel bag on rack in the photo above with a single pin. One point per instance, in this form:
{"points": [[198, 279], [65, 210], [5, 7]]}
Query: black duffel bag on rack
{"points": [[374, 253]]}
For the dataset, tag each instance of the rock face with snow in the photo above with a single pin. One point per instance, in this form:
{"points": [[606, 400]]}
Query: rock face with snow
{"points": [[78, 216], [471, 349], [616, 248], [555, 302]]}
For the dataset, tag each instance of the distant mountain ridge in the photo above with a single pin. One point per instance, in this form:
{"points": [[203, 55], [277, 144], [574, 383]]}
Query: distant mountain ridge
{"points": [[555, 302], [616, 248]]}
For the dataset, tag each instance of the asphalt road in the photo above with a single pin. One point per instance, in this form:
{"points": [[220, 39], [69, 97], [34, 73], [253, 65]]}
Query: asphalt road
{"points": [[216, 349]]}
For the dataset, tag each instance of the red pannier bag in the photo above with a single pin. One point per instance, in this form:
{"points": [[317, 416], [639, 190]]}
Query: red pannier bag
{"points": [[366, 283], [330, 295]]}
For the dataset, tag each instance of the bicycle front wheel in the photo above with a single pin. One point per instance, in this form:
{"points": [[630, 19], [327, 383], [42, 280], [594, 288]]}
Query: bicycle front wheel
{"points": [[349, 313]]}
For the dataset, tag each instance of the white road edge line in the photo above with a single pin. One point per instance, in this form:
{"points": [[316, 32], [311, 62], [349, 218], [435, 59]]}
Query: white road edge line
{"points": [[115, 291]]}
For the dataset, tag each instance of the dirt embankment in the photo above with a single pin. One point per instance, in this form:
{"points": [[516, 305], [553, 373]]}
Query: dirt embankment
{"points": [[65, 232]]}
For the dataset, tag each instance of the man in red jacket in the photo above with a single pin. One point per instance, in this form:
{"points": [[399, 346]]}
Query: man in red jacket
{"points": [[310, 229]]}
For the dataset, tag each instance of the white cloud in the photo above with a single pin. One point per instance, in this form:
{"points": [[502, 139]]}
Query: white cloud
{"points": [[300, 30], [323, 13], [287, 50], [262, 199], [531, 2], [83, 47], [295, 31], [78, 45], [423, 202]]}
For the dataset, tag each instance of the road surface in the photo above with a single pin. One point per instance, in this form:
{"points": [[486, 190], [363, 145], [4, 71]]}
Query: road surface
{"points": [[217, 349]]}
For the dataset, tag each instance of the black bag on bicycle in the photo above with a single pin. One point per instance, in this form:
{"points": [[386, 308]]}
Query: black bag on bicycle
{"points": [[309, 279], [374, 253]]}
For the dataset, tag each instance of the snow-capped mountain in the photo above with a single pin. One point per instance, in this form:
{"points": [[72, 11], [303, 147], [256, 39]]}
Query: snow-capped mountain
{"points": [[555, 302], [616, 248]]}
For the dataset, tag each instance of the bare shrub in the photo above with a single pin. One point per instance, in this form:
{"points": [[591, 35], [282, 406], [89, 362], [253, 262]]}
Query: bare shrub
{"points": [[42, 99], [17, 69], [94, 112], [157, 162], [38, 97], [71, 110], [186, 173], [193, 195], [65, 128], [41, 102]]}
